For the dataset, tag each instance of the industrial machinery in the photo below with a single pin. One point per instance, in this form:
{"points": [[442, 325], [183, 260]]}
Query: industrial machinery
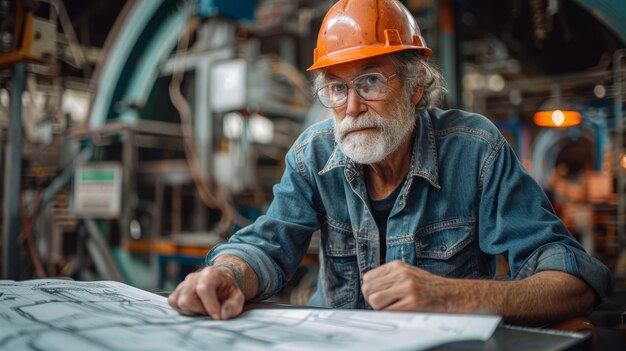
{"points": [[198, 121], [187, 126], [37, 42]]}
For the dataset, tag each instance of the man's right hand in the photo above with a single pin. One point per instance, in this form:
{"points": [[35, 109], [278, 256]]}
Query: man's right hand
{"points": [[212, 291]]}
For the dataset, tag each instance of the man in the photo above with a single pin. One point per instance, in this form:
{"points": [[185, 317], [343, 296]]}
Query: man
{"points": [[414, 204]]}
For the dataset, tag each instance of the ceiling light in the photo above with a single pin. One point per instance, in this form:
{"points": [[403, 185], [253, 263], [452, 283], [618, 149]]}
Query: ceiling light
{"points": [[559, 111], [557, 118]]}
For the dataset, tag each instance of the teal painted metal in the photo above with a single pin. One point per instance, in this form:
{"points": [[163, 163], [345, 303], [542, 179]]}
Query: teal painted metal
{"points": [[154, 54], [611, 13], [240, 9], [147, 35]]}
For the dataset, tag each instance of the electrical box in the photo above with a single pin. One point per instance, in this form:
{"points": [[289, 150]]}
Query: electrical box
{"points": [[229, 85], [98, 190], [44, 38]]}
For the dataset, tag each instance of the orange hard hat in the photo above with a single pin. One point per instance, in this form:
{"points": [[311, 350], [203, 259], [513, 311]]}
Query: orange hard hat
{"points": [[357, 29]]}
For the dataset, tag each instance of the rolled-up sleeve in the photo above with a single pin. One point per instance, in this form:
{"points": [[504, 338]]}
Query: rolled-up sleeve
{"points": [[276, 242], [517, 221], [270, 277], [561, 257]]}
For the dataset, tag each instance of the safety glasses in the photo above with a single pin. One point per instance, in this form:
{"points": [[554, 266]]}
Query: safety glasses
{"points": [[370, 86]]}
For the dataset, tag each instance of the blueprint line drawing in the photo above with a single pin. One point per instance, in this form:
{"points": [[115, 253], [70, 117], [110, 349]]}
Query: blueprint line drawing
{"points": [[51, 314]]}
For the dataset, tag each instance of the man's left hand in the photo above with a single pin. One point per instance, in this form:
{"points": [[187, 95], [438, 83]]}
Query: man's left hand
{"points": [[397, 286]]}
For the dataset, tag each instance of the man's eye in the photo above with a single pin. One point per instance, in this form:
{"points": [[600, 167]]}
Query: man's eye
{"points": [[371, 80], [337, 87]]}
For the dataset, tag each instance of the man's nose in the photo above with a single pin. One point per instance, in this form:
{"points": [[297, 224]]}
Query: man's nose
{"points": [[355, 105]]}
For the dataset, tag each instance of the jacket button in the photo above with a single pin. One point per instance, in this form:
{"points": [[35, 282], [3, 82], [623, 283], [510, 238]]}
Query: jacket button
{"points": [[364, 246], [443, 248]]}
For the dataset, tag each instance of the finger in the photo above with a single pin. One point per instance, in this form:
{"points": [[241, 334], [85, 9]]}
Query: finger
{"points": [[189, 304], [408, 295], [373, 280], [377, 272], [209, 282], [387, 270], [421, 301], [382, 299], [233, 305], [372, 286], [409, 303], [382, 277], [187, 300], [390, 292], [173, 298]]}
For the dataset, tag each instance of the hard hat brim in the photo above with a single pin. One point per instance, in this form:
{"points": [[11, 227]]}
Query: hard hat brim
{"points": [[360, 53]]}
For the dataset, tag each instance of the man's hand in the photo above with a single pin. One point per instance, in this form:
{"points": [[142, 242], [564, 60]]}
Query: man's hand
{"points": [[213, 291], [544, 298], [397, 286]]}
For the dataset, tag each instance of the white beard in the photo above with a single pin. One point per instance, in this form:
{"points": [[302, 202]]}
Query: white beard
{"points": [[374, 146]]}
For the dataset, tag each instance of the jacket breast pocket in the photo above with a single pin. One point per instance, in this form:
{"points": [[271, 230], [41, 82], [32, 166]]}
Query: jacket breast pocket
{"points": [[339, 268], [447, 249]]}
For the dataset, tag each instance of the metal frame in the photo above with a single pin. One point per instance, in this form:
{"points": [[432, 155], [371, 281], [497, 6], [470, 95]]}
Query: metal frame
{"points": [[11, 224]]}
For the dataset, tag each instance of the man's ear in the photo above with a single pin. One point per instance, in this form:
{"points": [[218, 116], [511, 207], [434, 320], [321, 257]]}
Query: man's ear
{"points": [[417, 95]]}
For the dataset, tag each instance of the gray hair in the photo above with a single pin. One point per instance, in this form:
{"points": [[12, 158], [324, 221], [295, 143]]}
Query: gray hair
{"points": [[415, 72]]}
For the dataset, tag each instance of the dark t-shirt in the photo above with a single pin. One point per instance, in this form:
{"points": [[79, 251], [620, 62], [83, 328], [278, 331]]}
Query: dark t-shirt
{"points": [[381, 209]]}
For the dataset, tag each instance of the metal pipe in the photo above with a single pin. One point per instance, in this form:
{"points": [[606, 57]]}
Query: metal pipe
{"points": [[12, 178]]}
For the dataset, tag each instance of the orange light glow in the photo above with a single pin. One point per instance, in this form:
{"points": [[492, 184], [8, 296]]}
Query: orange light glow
{"points": [[557, 118]]}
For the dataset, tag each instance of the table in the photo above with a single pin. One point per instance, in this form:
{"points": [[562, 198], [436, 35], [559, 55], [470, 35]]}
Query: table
{"points": [[512, 338]]}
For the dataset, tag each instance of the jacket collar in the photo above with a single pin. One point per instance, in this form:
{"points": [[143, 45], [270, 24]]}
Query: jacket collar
{"points": [[423, 158]]}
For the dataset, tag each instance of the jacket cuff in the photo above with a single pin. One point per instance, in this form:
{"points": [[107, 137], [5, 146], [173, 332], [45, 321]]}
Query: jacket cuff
{"points": [[560, 257], [268, 273]]}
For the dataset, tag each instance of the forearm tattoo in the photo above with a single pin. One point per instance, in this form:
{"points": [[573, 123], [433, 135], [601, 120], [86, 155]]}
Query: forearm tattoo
{"points": [[233, 268]]}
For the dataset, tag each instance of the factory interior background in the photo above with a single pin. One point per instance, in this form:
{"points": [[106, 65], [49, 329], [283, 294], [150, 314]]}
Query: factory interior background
{"points": [[136, 135]]}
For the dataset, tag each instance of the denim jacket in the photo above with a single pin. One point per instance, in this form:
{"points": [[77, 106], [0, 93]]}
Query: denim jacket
{"points": [[465, 200]]}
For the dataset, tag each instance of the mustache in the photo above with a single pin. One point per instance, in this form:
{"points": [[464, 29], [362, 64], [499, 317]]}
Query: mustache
{"points": [[349, 124]]}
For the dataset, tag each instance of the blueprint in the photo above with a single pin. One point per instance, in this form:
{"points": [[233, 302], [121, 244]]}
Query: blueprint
{"points": [[69, 315]]}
